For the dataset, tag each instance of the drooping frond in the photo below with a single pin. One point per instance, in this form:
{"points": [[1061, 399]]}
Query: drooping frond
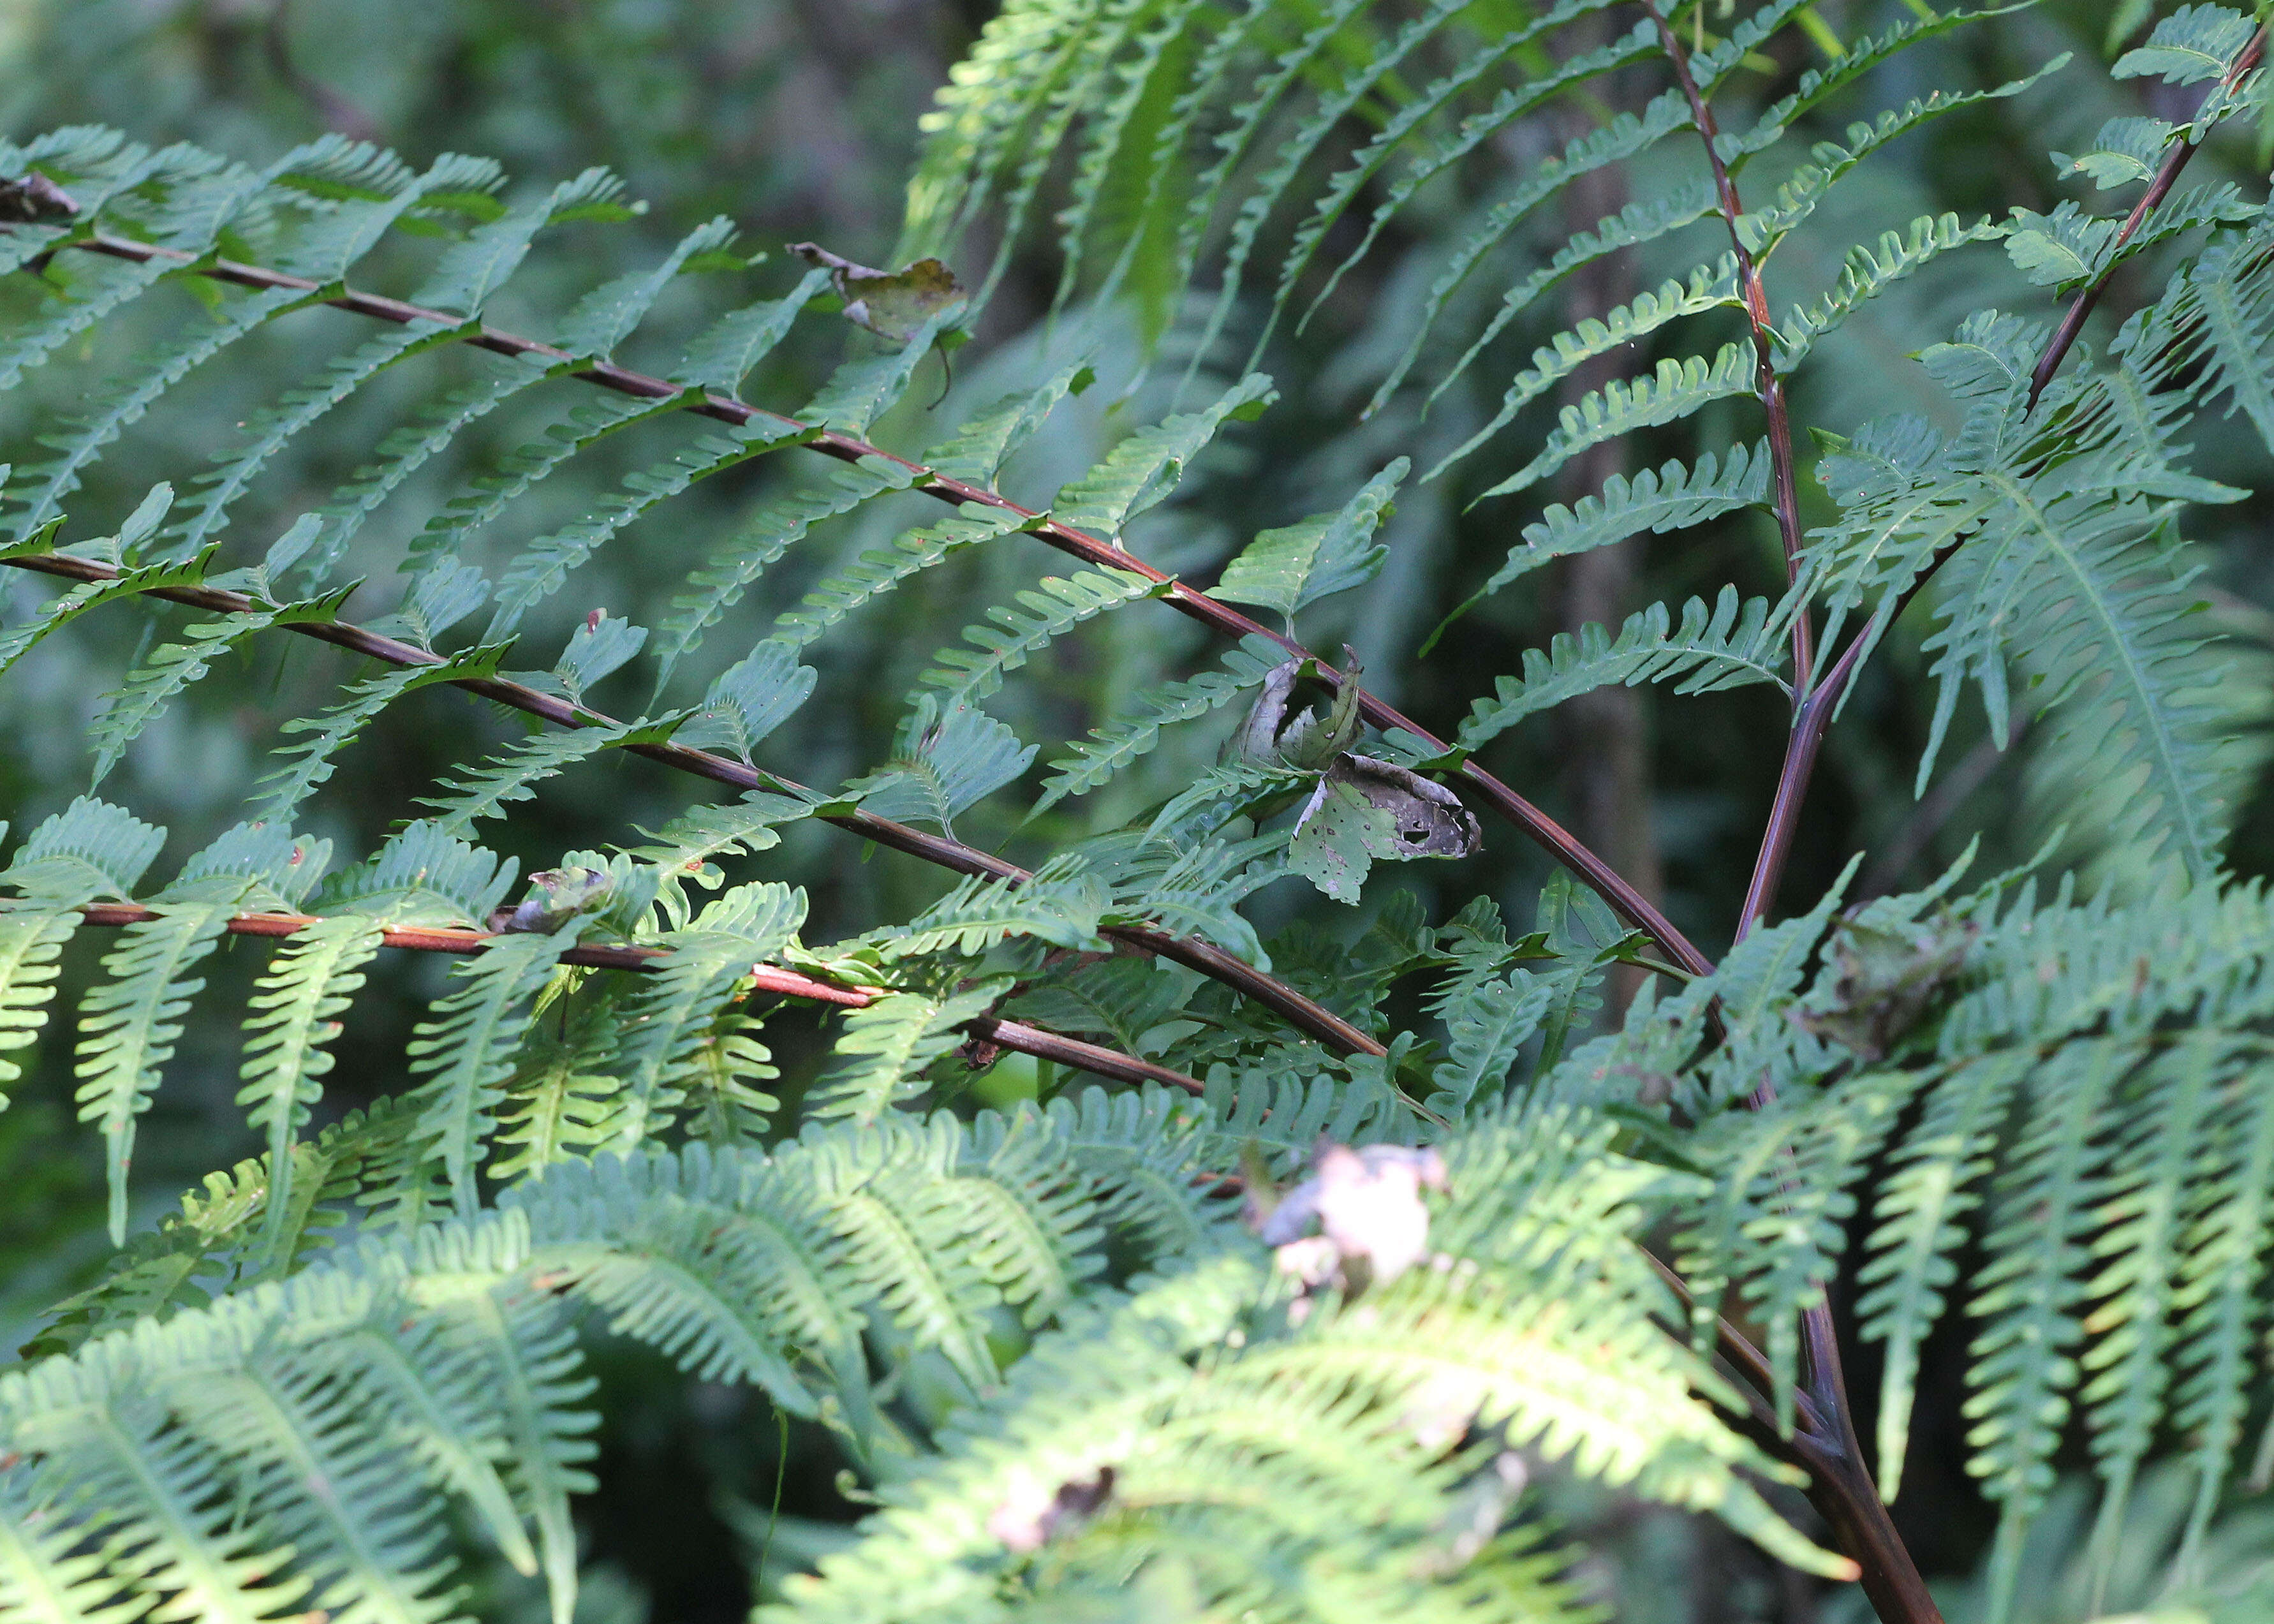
{"points": [[130, 1020]]}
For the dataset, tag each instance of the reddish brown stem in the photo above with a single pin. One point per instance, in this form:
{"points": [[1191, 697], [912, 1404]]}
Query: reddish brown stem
{"points": [[1300, 1011], [1012, 1034], [1766, 383], [2167, 175], [1824, 1440], [1623, 898]]}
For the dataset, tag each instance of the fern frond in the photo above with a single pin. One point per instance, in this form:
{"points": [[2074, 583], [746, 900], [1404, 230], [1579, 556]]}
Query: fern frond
{"points": [[2221, 1277], [2031, 1298], [129, 582], [1636, 44], [1097, 760], [609, 314], [730, 350], [719, 583], [2194, 43], [1140, 473], [542, 568], [878, 571], [1329, 553], [90, 850], [1670, 498], [1060, 904], [1673, 392], [1709, 288], [1487, 1021], [584, 425], [1727, 647], [886, 1049], [1157, 32], [174, 666], [564, 1099], [532, 1356], [671, 1020], [1641, 223], [1866, 274], [2220, 310], [510, 775], [39, 497], [944, 762], [975, 453], [2142, 1203], [306, 766], [1803, 192], [1916, 1226], [294, 1012], [1626, 136], [201, 193], [1348, 88], [464, 1050], [130, 1021], [860, 392], [963, 676]]}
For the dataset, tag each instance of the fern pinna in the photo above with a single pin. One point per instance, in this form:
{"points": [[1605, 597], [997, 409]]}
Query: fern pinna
{"points": [[1376, 1236]]}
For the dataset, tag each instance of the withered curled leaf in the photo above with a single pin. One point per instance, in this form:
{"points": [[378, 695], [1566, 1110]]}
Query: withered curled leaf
{"points": [[33, 200], [1887, 977], [1430, 820], [892, 304]]}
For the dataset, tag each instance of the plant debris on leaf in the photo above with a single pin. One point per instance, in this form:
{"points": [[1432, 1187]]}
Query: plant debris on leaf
{"points": [[1363, 808], [32, 199], [1887, 977], [1371, 1225], [892, 304]]}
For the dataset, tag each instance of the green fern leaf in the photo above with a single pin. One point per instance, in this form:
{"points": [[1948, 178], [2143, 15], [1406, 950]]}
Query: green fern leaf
{"points": [[1140, 472], [542, 569], [2193, 43], [879, 571], [1675, 390], [1292, 568], [943, 764], [174, 666], [1639, 43], [886, 1047], [1110, 750], [130, 1021], [306, 766], [513, 773], [2029, 1298], [671, 1032], [723, 357], [1728, 648], [860, 392], [604, 317], [584, 425], [465, 1049], [966, 676], [563, 1098], [1061, 904], [1866, 274], [88, 851], [294, 1012], [1709, 289], [1916, 1226], [1487, 1021], [1356, 83], [717, 585], [975, 454]]}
